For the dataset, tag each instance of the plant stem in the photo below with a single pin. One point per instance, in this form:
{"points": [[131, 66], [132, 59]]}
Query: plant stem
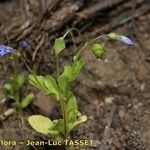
{"points": [[62, 101], [70, 30], [64, 112], [19, 111], [14, 65], [57, 65], [86, 45]]}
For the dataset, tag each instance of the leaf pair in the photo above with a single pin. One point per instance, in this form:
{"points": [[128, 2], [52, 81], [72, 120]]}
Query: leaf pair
{"points": [[53, 128]]}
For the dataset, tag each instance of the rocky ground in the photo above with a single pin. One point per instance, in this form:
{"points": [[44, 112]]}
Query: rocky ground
{"points": [[114, 94]]}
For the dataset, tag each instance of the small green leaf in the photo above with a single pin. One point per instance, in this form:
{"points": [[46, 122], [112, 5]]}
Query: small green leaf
{"points": [[81, 119], [9, 91], [41, 124], [70, 74], [77, 66], [17, 81], [10, 95], [14, 83], [64, 78], [59, 45], [98, 50], [20, 80], [51, 85], [59, 126], [72, 111], [37, 81], [27, 100], [56, 135], [72, 102], [7, 87], [46, 83]]}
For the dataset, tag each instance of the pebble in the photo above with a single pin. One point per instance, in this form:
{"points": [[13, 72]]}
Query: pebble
{"points": [[109, 100], [121, 113]]}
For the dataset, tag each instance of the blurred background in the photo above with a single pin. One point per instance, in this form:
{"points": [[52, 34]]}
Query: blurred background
{"points": [[114, 91]]}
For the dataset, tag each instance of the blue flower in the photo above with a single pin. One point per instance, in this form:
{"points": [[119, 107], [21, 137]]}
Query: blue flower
{"points": [[5, 50], [122, 38], [24, 44], [126, 40]]}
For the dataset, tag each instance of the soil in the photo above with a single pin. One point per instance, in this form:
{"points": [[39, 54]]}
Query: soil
{"points": [[120, 82]]}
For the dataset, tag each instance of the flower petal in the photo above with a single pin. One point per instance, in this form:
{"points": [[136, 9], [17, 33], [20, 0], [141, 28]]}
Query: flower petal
{"points": [[5, 50], [127, 40]]}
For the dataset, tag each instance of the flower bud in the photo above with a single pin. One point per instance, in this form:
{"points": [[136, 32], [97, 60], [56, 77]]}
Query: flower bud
{"points": [[113, 36], [123, 39], [98, 50], [24, 44], [126, 40]]}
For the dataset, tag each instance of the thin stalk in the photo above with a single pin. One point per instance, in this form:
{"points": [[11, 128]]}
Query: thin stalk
{"points": [[57, 65], [19, 109], [85, 46], [70, 30], [62, 101], [64, 112], [14, 63], [30, 70]]}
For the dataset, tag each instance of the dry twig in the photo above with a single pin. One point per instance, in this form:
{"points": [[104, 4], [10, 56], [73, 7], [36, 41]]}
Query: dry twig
{"points": [[106, 135]]}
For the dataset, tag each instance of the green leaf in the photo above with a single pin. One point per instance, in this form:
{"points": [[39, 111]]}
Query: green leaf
{"points": [[59, 45], [70, 74], [41, 124], [17, 81], [81, 119], [7, 87], [78, 121], [27, 100], [77, 66], [71, 103], [72, 111], [20, 78], [57, 136], [12, 88], [14, 83], [46, 83], [51, 85], [37, 81], [98, 50], [10, 95], [59, 126], [9, 91], [64, 78]]}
